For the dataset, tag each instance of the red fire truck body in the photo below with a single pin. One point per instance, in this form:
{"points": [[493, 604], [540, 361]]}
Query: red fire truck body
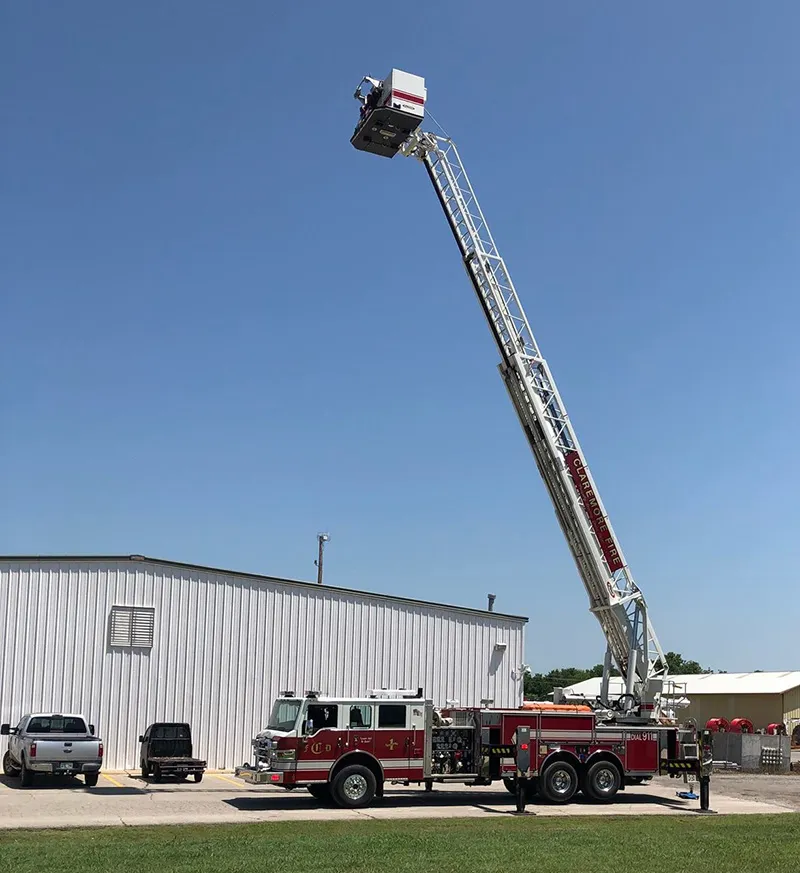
{"points": [[348, 748]]}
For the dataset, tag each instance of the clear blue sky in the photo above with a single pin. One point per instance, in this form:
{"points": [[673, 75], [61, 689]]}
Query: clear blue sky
{"points": [[224, 329]]}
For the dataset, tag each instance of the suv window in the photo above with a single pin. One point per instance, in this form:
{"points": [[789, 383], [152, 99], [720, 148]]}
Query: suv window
{"points": [[43, 724], [392, 715]]}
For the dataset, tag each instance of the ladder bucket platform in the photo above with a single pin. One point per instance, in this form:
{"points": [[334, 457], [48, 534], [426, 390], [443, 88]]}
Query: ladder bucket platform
{"points": [[391, 112]]}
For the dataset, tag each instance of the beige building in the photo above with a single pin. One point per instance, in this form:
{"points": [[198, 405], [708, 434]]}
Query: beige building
{"points": [[764, 698]]}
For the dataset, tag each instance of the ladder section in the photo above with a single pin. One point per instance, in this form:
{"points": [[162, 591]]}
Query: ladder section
{"points": [[614, 597]]}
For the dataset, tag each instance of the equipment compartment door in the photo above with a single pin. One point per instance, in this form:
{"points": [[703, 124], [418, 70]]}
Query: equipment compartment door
{"points": [[641, 752], [416, 750]]}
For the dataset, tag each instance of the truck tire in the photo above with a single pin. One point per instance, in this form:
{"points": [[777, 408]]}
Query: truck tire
{"points": [[602, 781], [354, 786], [145, 771], [91, 779], [10, 769], [559, 782], [322, 793], [198, 777], [156, 773], [25, 775]]}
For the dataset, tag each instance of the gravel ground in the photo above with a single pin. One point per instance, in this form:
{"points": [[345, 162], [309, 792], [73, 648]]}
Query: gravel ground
{"points": [[784, 790]]}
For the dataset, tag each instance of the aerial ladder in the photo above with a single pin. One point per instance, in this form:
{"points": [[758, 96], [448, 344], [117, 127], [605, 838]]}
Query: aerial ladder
{"points": [[391, 114]]}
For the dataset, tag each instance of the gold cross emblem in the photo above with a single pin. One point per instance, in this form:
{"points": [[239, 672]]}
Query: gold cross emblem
{"points": [[391, 744]]}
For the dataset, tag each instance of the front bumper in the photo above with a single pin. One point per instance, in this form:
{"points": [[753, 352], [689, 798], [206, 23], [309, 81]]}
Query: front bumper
{"points": [[259, 777]]}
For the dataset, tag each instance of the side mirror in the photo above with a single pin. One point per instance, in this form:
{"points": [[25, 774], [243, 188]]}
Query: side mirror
{"points": [[5, 729], [91, 729], [141, 738]]}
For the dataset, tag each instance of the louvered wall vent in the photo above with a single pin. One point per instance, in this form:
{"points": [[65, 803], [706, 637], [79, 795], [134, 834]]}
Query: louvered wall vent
{"points": [[132, 626]]}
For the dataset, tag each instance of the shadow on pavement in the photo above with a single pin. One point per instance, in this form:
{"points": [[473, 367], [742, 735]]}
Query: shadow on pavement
{"points": [[175, 786], [45, 783], [499, 803]]}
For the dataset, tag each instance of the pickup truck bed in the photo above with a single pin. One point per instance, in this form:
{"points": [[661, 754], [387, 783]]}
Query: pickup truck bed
{"points": [[180, 767]]}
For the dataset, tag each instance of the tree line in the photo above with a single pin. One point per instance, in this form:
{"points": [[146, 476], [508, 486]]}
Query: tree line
{"points": [[539, 686]]}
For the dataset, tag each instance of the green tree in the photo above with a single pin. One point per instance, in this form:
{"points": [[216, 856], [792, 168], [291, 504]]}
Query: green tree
{"points": [[539, 686], [677, 665]]}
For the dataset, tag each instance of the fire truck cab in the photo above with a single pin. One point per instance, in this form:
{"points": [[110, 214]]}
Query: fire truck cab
{"points": [[347, 749]]}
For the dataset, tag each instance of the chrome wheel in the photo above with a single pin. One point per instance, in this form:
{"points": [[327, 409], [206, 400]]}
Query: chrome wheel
{"points": [[354, 787], [605, 780], [561, 782]]}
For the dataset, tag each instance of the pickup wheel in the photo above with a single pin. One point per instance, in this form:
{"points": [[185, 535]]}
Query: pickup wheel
{"points": [[25, 775], [156, 773], [145, 771], [10, 769], [354, 786], [198, 777], [91, 779]]}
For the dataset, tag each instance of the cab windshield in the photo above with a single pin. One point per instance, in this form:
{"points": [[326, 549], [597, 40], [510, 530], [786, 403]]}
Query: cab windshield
{"points": [[283, 715]]}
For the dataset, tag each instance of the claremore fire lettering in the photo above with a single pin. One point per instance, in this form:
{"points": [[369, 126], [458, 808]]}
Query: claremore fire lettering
{"points": [[577, 471]]}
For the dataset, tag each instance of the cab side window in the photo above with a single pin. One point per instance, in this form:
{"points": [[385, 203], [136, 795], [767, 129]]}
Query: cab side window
{"points": [[360, 716], [392, 715], [323, 715]]}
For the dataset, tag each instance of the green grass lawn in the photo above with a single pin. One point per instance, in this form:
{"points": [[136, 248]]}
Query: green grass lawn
{"points": [[745, 844]]}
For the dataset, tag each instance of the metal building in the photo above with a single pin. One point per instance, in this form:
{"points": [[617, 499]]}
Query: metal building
{"points": [[131, 640]]}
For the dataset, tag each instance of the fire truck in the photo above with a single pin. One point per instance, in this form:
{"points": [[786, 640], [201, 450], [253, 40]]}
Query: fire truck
{"points": [[350, 748], [390, 123], [345, 750]]}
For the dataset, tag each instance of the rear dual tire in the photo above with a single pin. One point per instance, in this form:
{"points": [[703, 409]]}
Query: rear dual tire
{"points": [[559, 782], [603, 781]]}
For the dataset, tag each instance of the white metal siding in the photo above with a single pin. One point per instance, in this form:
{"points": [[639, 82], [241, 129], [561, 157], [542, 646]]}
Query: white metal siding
{"points": [[224, 646]]}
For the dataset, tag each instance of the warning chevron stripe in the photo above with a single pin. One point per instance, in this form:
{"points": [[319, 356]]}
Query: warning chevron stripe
{"points": [[504, 751]]}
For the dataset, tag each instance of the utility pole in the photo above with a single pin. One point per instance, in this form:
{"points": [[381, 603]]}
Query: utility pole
{"points": [[322, 538]]}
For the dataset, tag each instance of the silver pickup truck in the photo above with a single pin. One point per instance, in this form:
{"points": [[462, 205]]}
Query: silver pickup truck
{"points": [[52, 743]]}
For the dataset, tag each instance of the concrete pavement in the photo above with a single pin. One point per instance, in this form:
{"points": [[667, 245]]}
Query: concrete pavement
{"points": [[122, 799]]}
